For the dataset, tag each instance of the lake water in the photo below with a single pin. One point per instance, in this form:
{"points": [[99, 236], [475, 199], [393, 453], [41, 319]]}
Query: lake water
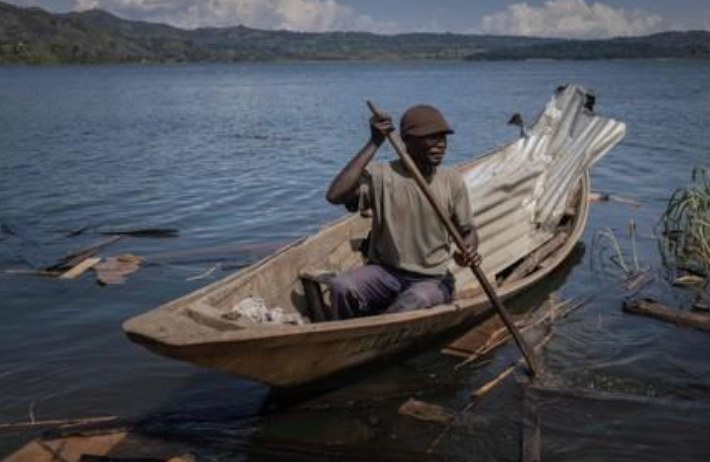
{"points": [[240, 154]]}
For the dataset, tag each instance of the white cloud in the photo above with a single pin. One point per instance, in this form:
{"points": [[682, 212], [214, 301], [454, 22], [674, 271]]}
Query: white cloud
{"points": [[570, 18], [297, 15]]}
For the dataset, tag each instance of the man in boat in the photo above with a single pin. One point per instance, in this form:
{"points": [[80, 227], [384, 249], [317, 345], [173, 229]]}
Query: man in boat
{"points": [[409, 248]]}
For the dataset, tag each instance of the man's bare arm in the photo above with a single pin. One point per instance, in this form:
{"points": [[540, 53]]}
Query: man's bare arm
{"points": [[345, 184]]}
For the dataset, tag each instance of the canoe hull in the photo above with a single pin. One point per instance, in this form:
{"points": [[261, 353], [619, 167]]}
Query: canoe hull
{"points": [[303, 357], [288, 356]]}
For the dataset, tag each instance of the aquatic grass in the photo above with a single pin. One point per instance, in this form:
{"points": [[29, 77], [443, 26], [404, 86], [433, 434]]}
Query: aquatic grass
{"points": [[618, 256], [685, 225], [605, 241]]}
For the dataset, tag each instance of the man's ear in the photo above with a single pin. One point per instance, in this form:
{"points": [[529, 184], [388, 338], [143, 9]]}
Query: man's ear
{"points": [[407, 142]]}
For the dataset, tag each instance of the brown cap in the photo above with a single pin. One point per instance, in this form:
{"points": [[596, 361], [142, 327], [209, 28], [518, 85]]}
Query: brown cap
{"points": [[423, 120]]}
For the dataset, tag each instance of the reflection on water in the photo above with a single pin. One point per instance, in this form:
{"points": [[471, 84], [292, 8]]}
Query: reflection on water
{"points": [[241, 154]]}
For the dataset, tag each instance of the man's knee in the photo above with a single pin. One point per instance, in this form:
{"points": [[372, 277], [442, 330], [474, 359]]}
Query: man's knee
{"points": [[342, 285], [409, 301], [420, 297]]}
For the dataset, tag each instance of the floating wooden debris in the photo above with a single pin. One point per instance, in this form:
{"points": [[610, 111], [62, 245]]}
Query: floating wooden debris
{"points": [[477, 394], [78, 256], [425, 411], [475, 345], [473, 340], [652, 308], [688, 280], [79, 269], [490, 385], [637, 280], [145, 232], [114, 269]]}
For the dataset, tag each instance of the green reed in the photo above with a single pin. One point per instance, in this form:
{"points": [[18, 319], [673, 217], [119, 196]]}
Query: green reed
{"points": [[629, 268], [685, 237]]}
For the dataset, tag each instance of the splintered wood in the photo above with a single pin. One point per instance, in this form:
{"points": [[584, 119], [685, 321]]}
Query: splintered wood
{"points": [[490, 385], [491, 334], [652, 308], [477, 394], [79, 269], [115, 269], [425, 411]]}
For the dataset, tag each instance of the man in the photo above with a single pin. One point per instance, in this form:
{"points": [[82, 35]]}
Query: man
{"points": [[409, 248]]}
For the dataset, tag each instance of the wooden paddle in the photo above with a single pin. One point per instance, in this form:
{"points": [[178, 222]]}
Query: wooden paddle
{"points": [[409, 164]]}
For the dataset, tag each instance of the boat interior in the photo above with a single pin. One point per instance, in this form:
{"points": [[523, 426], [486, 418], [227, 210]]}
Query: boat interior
{"points": [[295, 280]]}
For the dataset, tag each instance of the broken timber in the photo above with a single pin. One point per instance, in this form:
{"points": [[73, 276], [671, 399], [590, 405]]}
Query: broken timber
{"points": [[535, 258], [652, 308], [146, 232], [79, 269], [78, 256]]}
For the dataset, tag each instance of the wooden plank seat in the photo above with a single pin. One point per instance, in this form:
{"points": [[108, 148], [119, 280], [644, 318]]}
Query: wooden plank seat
{"points": [[315, 282]]}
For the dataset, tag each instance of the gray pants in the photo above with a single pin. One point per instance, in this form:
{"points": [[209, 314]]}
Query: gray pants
{"points": [[374, 289]]}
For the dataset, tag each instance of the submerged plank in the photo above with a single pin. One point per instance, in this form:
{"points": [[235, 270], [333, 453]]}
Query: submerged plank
{"points": [[652, 308], [428, 412], [144, 232], [77, 256], [79, 269]]}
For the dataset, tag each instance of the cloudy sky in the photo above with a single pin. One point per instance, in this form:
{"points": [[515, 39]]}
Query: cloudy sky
{"points": [[551, 18]]}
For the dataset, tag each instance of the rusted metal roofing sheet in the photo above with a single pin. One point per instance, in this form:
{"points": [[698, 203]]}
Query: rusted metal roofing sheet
{"points": [[519, 193]]}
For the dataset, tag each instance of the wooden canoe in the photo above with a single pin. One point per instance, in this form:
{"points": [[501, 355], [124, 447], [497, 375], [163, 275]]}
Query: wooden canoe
{"points": [[288, 355], [194, 329]]}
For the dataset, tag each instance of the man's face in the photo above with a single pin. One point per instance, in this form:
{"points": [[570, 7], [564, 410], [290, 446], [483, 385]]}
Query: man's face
{"points": [[427, 150]]}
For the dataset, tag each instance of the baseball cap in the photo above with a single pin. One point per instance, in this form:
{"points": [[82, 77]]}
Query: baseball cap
{"points": [[423, 120]]}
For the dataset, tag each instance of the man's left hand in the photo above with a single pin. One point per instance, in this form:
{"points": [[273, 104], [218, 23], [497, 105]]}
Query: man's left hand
{"points": [[468, 258]]}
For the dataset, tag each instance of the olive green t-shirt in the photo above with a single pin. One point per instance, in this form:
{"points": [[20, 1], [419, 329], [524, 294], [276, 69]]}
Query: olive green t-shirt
{"points": [[406, 232]]}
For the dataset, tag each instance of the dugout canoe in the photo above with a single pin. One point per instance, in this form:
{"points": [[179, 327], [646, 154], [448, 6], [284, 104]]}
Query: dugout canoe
{"points": [[530, 201]]}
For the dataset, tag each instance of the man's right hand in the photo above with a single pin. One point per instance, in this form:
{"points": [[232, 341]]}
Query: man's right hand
{"points": [[380, 127]]}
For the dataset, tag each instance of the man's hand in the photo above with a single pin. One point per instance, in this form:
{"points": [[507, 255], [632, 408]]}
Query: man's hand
{"points": [[380, 127], [468, 258]]}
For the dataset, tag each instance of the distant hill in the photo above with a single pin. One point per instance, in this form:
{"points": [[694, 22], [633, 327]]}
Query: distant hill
{"points": [[35, 36], [668, 45]]}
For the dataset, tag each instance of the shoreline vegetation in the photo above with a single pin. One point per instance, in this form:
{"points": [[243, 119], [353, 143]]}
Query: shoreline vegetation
{"points": [[35, 36]]}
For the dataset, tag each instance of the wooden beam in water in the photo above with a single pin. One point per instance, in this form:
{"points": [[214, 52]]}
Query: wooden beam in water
{"points": [[652, 308]]}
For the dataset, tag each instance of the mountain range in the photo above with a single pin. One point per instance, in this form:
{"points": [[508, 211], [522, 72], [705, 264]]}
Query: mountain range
{"points": [[36, 36]]}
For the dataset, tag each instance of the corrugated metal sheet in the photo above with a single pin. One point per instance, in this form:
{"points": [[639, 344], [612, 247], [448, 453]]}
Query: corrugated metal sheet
{"points": [[519, 193]]}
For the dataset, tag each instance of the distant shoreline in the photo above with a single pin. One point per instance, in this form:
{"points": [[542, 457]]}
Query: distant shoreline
{"points": [[339, 61], [32, 36]]}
